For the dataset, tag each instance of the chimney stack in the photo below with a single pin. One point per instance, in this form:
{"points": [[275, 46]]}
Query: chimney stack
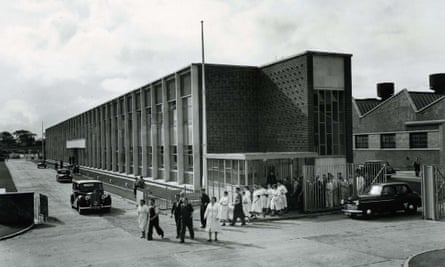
{"points": [[437, 83], [385, 90]]}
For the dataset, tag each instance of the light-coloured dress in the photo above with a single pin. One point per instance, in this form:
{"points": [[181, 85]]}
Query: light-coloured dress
{"points": [[257, 205], [224, 208], [211, 214], [247, 203], [143, 217], [276, 202], [283, 191]]}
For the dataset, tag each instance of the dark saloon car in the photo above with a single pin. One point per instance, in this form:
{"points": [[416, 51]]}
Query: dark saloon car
{"points": [[380, 198], [64, 175], [41, 164], [89, 195]]}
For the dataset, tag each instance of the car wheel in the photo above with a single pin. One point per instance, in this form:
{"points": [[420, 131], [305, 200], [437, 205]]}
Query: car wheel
{"points": [[411, 208]]}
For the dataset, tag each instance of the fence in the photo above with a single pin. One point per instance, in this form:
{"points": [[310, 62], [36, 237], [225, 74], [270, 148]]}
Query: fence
{"points": [[325, 186], [433, 192]]}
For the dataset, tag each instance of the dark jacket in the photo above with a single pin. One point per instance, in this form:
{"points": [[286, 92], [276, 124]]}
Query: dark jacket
{"points": [[186, 211], [176, 209], [205, 200]]}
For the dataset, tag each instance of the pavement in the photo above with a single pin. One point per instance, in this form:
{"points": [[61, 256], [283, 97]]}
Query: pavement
{"points": [[112, 239]]}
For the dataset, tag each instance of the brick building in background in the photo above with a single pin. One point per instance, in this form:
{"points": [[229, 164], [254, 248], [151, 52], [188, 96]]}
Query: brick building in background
{"points": [[276, 117], [402, 127]]}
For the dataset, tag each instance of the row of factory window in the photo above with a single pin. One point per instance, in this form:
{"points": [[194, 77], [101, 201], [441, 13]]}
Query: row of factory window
{"points": [[388, 140]]}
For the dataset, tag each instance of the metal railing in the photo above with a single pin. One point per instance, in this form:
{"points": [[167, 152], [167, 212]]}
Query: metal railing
{"points": [[325, 186]]}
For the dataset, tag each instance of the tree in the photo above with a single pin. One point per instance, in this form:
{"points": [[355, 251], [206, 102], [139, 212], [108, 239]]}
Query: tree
{"points": [[7, 138], [24, 137]]}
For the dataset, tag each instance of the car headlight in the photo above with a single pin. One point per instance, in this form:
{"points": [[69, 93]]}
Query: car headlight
{"points": [[87, 197], [104, 196], [357, 202], [342, 202]]}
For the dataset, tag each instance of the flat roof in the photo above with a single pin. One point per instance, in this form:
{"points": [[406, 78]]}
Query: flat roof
{"points": [[262, 155]]}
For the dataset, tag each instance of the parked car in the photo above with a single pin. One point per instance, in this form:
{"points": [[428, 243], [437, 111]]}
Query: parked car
{"points": [[385, 197], [89, 195], [41, 164], [64, 175]]}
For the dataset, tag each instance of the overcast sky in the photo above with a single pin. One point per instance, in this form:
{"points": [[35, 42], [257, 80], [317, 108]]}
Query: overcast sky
{"points": [[60, 58]]}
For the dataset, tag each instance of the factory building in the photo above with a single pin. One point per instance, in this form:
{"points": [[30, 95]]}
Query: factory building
{"points": [[253, 120]]}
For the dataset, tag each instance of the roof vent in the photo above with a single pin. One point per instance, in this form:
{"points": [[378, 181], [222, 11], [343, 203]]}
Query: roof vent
{"points": [[385, 90], [437, 83]]}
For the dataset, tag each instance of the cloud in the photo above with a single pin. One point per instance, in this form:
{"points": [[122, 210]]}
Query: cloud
{"points": [[59, 58]]}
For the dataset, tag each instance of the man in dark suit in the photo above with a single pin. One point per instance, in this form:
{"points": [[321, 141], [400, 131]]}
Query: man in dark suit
{"points": [[186, 216], [238, 209], [176, 211], [205, 200]]}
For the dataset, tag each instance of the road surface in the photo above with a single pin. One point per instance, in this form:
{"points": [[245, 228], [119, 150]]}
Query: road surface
{"points": [[70, 239]]}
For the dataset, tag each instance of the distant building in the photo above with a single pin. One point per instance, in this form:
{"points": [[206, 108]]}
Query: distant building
{"points": [[402, 127], [276, 117]]}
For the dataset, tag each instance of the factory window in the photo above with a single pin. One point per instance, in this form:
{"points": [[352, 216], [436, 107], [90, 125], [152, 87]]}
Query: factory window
{"points": [[361, 141], [147, 97], [329, 122], [188, 158], [418, 140], [138, 101], [171, 90], [148, 126], [174, 157], [129, 103], [149, 156], [186, 85], [172, 120], [158, 94], [388, 141]]}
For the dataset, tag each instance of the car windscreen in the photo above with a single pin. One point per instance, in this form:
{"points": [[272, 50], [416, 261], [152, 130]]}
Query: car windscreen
{"points": [[90, 187], [375, 190]]}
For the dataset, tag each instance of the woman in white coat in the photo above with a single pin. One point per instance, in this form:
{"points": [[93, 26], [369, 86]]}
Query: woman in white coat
{"points": [[257, 207], [211, 215], [247, 202], [143, 217], [224, 208]]}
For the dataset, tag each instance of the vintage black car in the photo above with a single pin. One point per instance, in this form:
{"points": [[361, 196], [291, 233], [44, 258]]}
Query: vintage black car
{"points": [[89, 195], [41, 164], [380, 198], [64, 175]]}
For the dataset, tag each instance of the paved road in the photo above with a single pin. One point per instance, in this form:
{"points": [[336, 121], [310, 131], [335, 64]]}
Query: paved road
{"points": [[112, 239]]}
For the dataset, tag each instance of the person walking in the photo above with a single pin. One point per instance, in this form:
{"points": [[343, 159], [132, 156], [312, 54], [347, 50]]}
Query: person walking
{"points": [[247, 202], [142, 217], [224, 208], [186, 213], [238, 209], [416, 166], [204, 202], [257, 207], [211, 215], [176, 212], [153, 212]]}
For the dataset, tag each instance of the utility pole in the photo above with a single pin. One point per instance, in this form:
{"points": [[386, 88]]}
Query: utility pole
{"points": [[204, 113]]}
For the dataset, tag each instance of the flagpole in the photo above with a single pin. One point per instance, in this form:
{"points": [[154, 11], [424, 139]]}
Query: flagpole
{"points": [[204, 113]]}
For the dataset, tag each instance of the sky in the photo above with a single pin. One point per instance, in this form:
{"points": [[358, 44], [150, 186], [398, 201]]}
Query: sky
{"points": [[60, 58]]}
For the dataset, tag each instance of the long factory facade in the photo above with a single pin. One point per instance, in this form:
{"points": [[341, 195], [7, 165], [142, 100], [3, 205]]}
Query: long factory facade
{"points": [[277, 117]]}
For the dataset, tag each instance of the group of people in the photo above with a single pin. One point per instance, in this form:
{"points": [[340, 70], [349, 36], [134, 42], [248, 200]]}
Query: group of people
{"points": [[148, 218]]}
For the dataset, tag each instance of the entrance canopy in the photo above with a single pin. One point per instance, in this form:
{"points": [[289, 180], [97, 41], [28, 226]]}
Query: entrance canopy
{"points": [[75, 143], [262, 155]]}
